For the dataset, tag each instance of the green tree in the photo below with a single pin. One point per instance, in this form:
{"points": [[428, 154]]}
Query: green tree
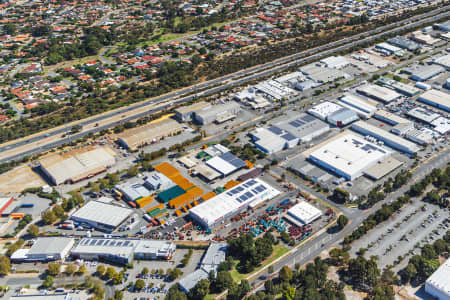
{"points": [[285, 274], [363, 272], [133, 171], [144, 271], [110, 273], [100, 270], [440, 246], [5, 265], [139, 285], [289, 293], [340, 195], [118, 295], [409, 273], [53, 269], [342, 221], [223, 281], [58, 211], [175, 294], [428, 252], [33, 230], [175, 273], [10, 28], [200, 290], [48, 282], [81, 270], [118, 278], [70, 269], [48, 217]]}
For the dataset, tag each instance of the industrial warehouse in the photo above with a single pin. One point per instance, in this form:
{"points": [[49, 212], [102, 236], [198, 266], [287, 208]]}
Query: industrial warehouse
{"points": [[102, 216], [77, 165], [334, 114], [400, 125], [388, 138], [378, 93], [348, 156], [438, 284], [45, 249], [144, 135], [186, 113], [218, 113], [250, 193], [303, 213], [362, 107], [289, 133], [122, 251], [266, 165], [215, 255], [436, 98]]}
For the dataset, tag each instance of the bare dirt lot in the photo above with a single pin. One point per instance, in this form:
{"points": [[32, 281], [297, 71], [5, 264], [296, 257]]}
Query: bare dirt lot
{"points": [[19, 179]]}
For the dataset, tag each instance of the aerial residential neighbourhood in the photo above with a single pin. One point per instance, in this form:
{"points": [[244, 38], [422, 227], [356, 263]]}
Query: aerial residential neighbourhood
{"points": [[234, 149]]}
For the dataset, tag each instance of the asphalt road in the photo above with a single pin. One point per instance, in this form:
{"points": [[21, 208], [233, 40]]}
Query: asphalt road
{"points": [[218, 85], [356, 216]]}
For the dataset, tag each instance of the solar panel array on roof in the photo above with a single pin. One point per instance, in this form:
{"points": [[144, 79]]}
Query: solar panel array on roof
{"points": [[288, 136], [104, 243], [302, 121], [249, 183], [275, 130], [307, 118], [296, 123], [244, 197], [233, 160], [356, 142]]}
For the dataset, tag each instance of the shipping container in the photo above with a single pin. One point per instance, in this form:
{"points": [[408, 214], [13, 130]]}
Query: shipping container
{"points": [[159, 206], [24, 205], [144, 201], [17, 215]]}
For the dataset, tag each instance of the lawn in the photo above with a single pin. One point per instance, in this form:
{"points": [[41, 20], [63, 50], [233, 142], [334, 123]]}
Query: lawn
{"points": [[278, 251]]}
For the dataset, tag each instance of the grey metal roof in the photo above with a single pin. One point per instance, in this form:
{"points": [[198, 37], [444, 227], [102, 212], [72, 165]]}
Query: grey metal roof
{"points": [[404, 42], [50, 245], [103, 213], [343, 114], [214, 256], [302, 125], [189, 281]]}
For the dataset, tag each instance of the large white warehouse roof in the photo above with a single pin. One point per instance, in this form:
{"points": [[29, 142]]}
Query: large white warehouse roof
{"points": [[378, 92], [304, 212], [359, 105], [436, 98], [438, 284], [99, 213], [249, 193], [349, 155], [388, 138], [324, 109], [78, 164]]}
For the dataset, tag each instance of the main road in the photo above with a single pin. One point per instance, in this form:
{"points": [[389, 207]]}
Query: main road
{"points": [[52, 138], [325, 240]]}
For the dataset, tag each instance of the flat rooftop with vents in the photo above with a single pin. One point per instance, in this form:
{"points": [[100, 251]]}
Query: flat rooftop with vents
{"points": [[103, 216], [348, 156]]}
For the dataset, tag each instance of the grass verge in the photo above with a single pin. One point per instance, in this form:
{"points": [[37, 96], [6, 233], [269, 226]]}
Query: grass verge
{"points": [[278, 251]]}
